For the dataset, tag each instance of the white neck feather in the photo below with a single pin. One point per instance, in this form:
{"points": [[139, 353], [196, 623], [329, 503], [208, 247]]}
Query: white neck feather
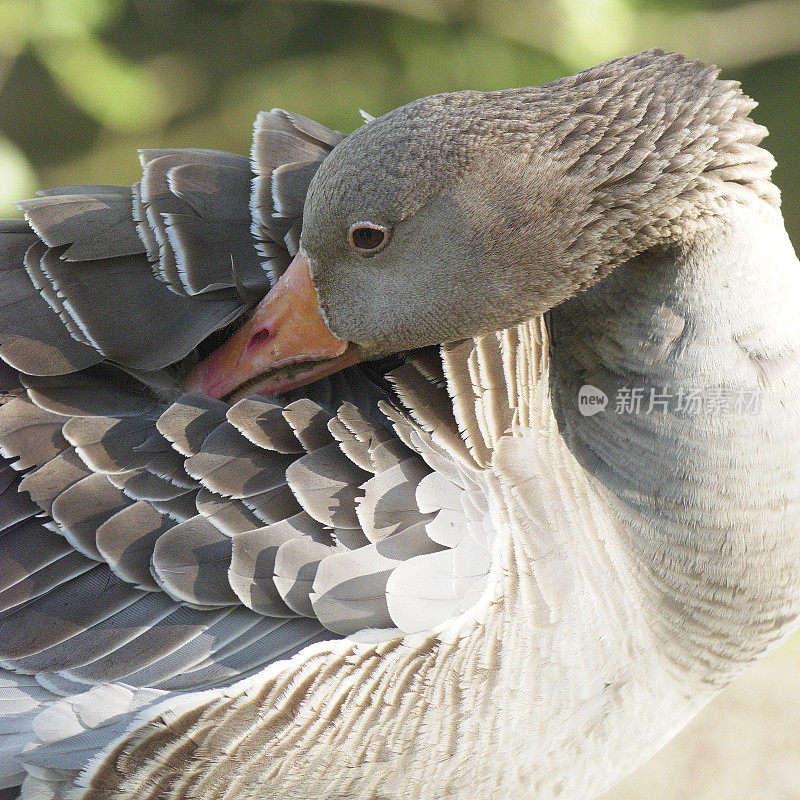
{"points": [[649, 556], [709, 502]]}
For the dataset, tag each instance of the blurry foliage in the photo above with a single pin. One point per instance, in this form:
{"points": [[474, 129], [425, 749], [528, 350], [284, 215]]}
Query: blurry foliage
{"points": [[83, 83]]}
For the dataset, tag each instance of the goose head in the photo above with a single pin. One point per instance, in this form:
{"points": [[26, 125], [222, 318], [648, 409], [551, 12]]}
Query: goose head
{"points": [[464, 213]]}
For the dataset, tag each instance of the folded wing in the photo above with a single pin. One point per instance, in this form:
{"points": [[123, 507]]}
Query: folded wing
{"points": [[170, 541]]}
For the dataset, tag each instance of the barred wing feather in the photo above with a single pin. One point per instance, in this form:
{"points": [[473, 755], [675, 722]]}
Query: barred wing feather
{"points": [[156, 542]]}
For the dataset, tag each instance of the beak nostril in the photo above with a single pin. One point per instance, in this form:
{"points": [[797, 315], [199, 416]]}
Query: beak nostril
{"points": [[258, 338]]}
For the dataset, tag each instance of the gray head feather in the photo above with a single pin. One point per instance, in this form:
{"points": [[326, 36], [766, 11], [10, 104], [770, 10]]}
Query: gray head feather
{"points": [[530, 194]]}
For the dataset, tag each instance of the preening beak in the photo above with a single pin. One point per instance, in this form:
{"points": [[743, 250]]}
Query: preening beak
{"points": [[286, 328]]}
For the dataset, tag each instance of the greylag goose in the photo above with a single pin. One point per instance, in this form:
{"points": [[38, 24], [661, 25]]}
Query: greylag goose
{"points": [[491, 491]]}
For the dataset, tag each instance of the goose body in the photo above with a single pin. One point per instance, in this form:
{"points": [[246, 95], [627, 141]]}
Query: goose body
{"points": [[434, 574]]}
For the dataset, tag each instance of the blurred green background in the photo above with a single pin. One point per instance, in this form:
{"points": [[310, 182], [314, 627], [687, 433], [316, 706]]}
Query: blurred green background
{"points": [[83, 83]]}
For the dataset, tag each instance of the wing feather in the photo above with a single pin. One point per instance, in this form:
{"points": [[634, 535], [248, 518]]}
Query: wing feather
{"points": [[185, 542], [190, 562], [33, 338], [91, 226]]}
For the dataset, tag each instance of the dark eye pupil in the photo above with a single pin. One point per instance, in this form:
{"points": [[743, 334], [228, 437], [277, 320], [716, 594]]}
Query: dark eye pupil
{"points": [[366, 238]]}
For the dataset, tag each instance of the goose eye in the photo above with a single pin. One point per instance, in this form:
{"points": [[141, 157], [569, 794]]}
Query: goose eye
{"points": [[367, 237]]}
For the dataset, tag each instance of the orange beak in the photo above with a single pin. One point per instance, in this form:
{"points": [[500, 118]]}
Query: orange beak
{"points": [[286, 328]]}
